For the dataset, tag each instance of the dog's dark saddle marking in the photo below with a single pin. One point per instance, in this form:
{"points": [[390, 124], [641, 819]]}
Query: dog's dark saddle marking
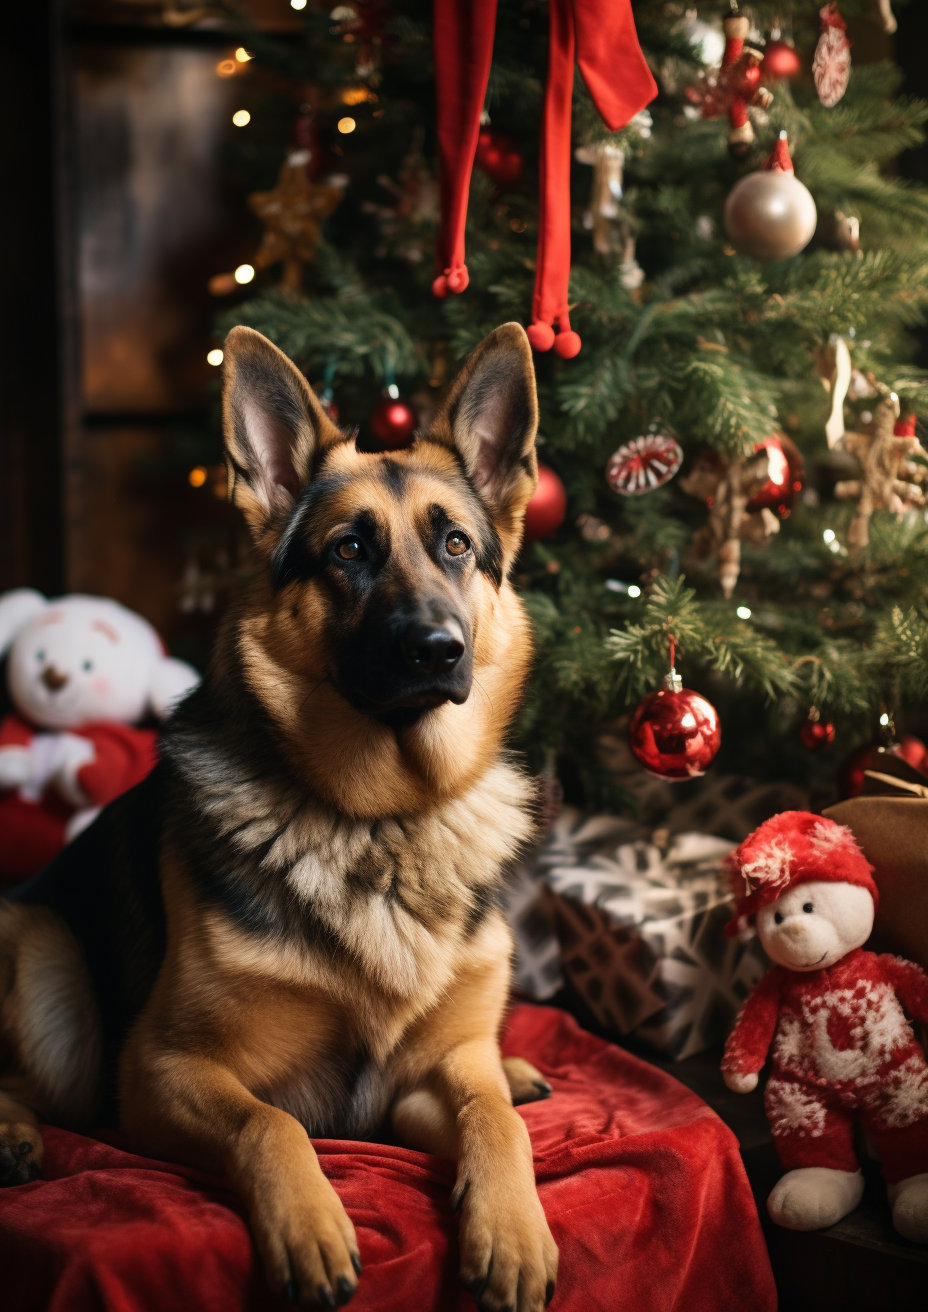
{"points": [[106, 887]]}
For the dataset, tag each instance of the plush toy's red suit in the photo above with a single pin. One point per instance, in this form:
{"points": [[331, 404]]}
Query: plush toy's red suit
{"points": [[34, 820], [833, 1018], [842, 1048]]}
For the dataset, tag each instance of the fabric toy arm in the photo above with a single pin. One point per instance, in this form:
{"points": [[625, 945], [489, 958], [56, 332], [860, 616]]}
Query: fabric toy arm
{"points": [[747, 1046], [910, 983], [15, 752]]}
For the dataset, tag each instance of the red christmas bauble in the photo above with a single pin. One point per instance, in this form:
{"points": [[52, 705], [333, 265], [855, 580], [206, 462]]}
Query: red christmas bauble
{"points": [[817, 733], [851, 774], [547, 508], [392, 423], [785, 472], [675, 735], [499, 157], [780, 60]]}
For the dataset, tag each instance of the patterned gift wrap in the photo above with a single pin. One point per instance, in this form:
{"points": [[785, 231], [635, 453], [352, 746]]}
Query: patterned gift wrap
{"points": [[641, 931]]}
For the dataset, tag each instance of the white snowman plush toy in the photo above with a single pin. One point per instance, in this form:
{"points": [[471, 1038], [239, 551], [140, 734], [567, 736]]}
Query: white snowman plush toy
{"points": [[81, 673], [831, 1015]]}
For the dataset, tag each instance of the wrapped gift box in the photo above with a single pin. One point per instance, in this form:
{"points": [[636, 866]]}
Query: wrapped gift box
{"points": [[641, 931]]}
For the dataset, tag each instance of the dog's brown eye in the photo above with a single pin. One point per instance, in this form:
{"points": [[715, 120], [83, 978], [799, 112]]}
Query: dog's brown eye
{"points": [[456, 544], [350, 549]]}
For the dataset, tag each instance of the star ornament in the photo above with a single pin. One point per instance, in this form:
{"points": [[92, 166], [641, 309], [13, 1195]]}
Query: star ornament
{"points": [[293, 214]]}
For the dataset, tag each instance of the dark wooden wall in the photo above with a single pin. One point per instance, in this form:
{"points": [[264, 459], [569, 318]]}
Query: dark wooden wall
{"points": [[38, 337]]}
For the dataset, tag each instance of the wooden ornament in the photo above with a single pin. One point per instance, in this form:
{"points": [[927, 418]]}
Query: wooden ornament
{"points": [[293, 213], [889, 475]]}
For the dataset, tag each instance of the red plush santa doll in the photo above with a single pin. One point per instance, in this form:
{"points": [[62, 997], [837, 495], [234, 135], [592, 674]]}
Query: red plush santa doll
{"points": [[81, 672], [833, 1019]]}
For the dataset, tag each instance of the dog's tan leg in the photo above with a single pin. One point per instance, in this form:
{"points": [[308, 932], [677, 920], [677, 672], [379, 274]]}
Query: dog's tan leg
{"points": [[20, 1142], [183, 1105], [457, 1103]]}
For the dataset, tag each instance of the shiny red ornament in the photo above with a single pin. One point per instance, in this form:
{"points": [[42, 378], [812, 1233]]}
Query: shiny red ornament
{"points": [[547, 508], [643, 464], [851, 774], [675, 733], [780, 61], [499, 157], [817, 733], [785, 472], [393, 423]]}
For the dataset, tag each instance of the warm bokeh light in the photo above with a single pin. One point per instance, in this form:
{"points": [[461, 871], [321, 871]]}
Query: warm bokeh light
{"points": [[197, 476], [346, 125], [297, 4], [214, 357], [634, 590], [241, 118], [227, 68], [242, 55], [743, 612], [357, 96], [244, 273]]}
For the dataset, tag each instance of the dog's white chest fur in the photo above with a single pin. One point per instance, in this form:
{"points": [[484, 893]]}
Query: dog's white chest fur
{"points": [[398, 893]]}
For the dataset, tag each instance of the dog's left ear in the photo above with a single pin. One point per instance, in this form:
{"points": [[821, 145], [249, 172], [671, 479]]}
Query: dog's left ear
{"points": [[275, 429], [490, 418]]}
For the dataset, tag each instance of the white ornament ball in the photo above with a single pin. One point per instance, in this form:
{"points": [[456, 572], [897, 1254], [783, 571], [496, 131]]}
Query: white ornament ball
{"points": [[770, 215]]}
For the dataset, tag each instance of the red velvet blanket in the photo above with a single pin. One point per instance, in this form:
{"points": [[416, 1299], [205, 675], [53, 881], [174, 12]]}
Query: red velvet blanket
{"points": [[641, 1182]]}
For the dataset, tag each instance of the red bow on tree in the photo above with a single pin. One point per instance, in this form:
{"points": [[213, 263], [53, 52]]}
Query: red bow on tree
{"points": [[597, 34]]}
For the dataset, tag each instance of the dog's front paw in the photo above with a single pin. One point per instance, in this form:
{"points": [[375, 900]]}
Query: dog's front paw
{"points": [[308, 1245], [508, 1256], [526, 1084], [20, 1153]]}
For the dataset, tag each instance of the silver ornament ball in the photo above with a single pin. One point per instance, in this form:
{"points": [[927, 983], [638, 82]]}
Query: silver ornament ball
{"points": [[770, 215]]}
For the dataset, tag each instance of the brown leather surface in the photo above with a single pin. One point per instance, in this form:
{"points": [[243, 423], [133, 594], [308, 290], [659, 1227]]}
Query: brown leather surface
{"points": [[893, 832]]}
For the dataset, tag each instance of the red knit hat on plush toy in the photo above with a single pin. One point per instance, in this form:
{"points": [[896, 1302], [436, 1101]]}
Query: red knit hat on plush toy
{"points": [[795, 847]]}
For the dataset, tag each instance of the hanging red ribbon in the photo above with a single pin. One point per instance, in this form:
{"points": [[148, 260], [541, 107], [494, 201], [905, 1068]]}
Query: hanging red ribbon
{"points": [[600, 36]]}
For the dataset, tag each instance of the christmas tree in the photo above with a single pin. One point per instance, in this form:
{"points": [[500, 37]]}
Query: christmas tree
{"points": [[769, 515]]}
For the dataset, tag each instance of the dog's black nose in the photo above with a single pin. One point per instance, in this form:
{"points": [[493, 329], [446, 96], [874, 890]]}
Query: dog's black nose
{"points": [[431, 648]]}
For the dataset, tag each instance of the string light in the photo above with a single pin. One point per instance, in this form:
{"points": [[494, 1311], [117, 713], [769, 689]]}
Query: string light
{"points": [[244, 273], [829, 535], [346, 125], [393, 392], [634, 590], [242, 55], [358, 96], [241, 118], [884, 719], [214, 357], [197, 476], [227, 68], [743, 612], [297, 4]]}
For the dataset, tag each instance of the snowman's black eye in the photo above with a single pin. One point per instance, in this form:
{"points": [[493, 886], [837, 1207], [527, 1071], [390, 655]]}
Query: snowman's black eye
{"points": [[807, 907], [40, 656], [777, 918], [88, 665]]}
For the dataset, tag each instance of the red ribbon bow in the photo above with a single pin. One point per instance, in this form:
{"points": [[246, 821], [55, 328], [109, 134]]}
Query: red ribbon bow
{"points": [[600, 36]]}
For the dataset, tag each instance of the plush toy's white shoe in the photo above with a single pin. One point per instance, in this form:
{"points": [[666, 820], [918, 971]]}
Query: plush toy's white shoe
{"points": [[815, 1197], [909, 1201]]}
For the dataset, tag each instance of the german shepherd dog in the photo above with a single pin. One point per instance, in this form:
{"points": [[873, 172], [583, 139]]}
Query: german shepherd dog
{"points": [[291, 928]]}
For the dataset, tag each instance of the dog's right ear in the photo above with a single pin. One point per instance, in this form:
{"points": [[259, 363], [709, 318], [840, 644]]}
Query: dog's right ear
{"points": [[275, 429]]}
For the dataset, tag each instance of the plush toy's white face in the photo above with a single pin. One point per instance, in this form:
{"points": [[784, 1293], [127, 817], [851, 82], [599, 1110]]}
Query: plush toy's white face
{"points": [[814, 925], [81, 660]]}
